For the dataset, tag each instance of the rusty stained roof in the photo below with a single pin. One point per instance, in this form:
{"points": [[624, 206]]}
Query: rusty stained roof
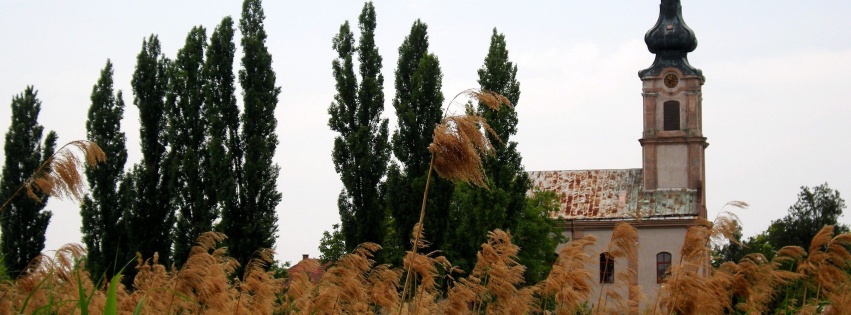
{"points": [[611, 194]]}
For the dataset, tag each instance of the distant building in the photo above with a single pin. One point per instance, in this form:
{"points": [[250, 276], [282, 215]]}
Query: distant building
{"points": [[664, 197], [314, 268]]}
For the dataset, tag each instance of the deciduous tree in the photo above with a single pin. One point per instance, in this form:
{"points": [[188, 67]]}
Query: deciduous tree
{"points": [[149, 221], [361, 150], [255, 225], [225, 147], [23, 220], [816, 208], [102, 210], [504, 203], [188, 157], [419, 108]]}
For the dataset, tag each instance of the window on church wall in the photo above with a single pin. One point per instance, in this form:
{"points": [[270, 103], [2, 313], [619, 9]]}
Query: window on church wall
{"points": [[663, 266], [671, 115], [607, 268]]}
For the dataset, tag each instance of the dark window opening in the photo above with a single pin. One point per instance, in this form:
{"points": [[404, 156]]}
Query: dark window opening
{"points": [[607, 268], [672, 115], [663, 266]]}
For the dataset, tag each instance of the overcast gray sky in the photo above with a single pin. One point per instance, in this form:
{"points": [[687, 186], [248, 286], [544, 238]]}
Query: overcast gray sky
{"points": [[776, 103]]}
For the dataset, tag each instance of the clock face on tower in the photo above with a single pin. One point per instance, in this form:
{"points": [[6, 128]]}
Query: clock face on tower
{"points": [[671, 80]]}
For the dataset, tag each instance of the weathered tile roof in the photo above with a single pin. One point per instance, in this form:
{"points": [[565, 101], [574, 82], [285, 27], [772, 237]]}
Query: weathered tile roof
{"points": [[611, 194]]}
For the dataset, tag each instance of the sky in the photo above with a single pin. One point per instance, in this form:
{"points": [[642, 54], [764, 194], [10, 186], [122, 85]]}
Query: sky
{"points": [[776, 102]]}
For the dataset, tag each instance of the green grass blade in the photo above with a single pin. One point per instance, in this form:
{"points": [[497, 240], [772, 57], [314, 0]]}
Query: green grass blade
{"points": [[111, 307], [83, 300], [139, 307], [27, 300]]}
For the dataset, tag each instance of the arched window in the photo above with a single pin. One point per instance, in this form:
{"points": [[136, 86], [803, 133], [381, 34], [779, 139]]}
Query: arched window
{"points": [[663, 266], [671, 115], [607, 268]]}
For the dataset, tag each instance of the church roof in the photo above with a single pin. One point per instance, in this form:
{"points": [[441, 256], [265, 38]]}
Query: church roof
{"points": [[612, 194]]}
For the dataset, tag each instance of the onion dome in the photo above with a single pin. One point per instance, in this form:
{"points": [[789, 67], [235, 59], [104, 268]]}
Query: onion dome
{"points": [[671, 40]]}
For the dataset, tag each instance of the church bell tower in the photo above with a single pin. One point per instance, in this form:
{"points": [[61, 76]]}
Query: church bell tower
{"points": [[673, 143]]}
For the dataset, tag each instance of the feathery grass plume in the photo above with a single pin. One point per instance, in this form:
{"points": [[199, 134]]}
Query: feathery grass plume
{"points": [[502, 275], [825, 268], [493, 285], [569, 282], [60, 175], [726, 223], [462, 296], [757, 282], [686, 280], [151, 283], [383, 288], [203, 279], [458, 146], [624, 246], [57, 284], [300, 292], [258, 287], [460, 140], [423, 271], [343, 287], [455, 153]]}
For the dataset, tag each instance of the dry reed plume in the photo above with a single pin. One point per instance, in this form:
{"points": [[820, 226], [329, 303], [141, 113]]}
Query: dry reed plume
{"points": [[461, 140], [60, 175], [60, 284]]}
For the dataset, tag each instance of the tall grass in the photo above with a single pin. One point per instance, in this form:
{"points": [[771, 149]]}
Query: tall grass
{"points": [[804, 281]]}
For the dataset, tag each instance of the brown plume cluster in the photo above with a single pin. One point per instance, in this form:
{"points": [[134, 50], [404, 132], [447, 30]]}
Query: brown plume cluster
{"points": [[460, 141], [355, 284], [60, 175]]}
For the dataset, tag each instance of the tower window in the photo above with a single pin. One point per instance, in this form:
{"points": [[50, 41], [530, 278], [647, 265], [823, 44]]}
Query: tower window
{"points": [[663, 266], [607, 268], [672, 115]]}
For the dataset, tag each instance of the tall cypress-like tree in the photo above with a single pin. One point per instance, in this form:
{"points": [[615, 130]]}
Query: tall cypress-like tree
{"points": [[187, 134], [504, 204], [23, 221], [224, 173], [102, 210], [362, 150], [255, 225], [149, 221], [418, 103]]}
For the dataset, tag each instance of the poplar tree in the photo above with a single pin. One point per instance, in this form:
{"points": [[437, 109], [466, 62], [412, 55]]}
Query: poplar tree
{"points": [[504, 203], [23, 220], [150, 219], [187, 155], [224, 173], [418, 103], [254, 226], [361, 151], [102, 210]]}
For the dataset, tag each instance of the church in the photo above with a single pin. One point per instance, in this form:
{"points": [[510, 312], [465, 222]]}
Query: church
{"points": [[661, 199]]}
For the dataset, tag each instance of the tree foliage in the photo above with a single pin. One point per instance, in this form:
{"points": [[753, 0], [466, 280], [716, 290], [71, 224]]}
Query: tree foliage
{"points": [[102, 210], [188, 157], [332, 246], [23, 221], [504, 203], [816, 208], [224, 172], [255, 224], [418, 103], [149, 220], [361, 150]]}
